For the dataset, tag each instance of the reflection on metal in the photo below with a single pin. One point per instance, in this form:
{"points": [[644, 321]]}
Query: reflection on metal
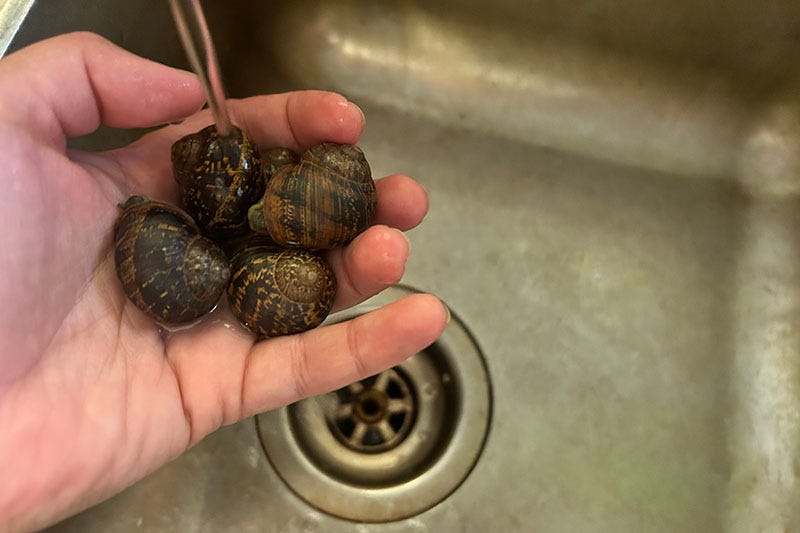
{"points": [[559, 95], [764, 438], [391, 446], [545, 93]]}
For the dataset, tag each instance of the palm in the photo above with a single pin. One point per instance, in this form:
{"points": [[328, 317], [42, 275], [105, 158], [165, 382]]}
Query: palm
{"points": [[92, 395], [105, 358]]}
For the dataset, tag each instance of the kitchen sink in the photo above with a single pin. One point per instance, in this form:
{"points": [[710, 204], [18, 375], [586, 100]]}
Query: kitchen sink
{"points": [[615, 223]]}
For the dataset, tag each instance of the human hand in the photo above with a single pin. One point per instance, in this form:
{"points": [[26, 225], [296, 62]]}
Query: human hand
{"points": [[93, 396]]}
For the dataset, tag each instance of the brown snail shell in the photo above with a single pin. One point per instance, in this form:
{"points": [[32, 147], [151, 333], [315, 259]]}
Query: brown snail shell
{"points": [[274, 159], [167, 269], [280, 291], [322, 202], [235, 245], [219, 179]]}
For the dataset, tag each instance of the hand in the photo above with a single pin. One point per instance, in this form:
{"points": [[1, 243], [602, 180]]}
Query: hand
{"points": [[92, 396]]}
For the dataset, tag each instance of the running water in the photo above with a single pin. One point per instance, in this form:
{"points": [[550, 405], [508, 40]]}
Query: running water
{"points": [[192, 27]]}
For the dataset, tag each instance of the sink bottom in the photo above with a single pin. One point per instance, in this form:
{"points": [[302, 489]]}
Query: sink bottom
{"points": [[404, 443]]}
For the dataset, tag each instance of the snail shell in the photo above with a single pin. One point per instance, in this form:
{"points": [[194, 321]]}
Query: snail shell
{"points": [[235, 245], [274, 159], [219, 179], [280, 291], [167, 269], [322, 202]]}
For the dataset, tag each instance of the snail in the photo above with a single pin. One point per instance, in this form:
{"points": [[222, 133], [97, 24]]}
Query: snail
{"points": [[280, 291], [167, 269], [322, 202], [219, 179], [274, 159], [236, 244]]}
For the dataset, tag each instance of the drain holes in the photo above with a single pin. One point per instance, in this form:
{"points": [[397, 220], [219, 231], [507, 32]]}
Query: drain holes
{"points": [[375, 414], [392, 445]]}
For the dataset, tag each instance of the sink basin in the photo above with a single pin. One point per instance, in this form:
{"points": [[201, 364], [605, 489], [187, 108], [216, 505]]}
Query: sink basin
{"points": [[614, 216]]}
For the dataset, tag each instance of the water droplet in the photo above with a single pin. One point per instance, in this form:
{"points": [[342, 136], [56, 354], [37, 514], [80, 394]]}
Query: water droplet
{"points": [[253, 457], [429, 390]]}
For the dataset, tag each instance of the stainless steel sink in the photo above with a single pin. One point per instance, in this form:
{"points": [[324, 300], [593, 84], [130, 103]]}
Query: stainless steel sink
{"points": [[615, 217]]}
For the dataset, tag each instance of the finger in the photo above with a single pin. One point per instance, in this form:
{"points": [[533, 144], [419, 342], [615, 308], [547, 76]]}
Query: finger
{"points": [[402, 202], [83, 80], [299, 120], [296, 120], [376, 259], [283, 370], [223, 376], [373, 261]]}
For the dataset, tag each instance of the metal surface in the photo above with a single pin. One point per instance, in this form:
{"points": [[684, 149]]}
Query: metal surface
{"points": [[346, 477], [614, 213], [375, 414]]}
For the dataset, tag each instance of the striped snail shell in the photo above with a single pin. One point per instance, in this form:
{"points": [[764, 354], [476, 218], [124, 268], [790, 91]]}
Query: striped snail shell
{"points": [[322, 202], [219, 179], [274, 159], [167, 269], [235, 245], [280, 291]]}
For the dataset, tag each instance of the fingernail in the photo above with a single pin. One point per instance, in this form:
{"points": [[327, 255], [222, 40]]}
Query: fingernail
{"points": [[402, 234], [449, 316], [361, 112]]}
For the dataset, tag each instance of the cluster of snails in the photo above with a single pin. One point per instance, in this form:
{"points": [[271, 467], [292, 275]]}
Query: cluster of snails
{"points": [[252, 223]]}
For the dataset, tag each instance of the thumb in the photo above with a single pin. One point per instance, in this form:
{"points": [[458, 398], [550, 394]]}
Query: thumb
{"points": [[68, 85]]}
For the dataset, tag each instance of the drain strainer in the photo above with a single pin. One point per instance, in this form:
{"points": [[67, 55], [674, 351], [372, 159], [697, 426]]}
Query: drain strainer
{"points": [[374, 414], [390, 446]]}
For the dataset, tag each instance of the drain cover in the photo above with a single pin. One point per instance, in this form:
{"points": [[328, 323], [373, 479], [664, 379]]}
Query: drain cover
{"points": [[375, 414], [392, 445]]}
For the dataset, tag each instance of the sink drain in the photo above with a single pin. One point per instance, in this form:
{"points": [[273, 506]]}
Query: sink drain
{"points": [[375, 414], [392, 445]]}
